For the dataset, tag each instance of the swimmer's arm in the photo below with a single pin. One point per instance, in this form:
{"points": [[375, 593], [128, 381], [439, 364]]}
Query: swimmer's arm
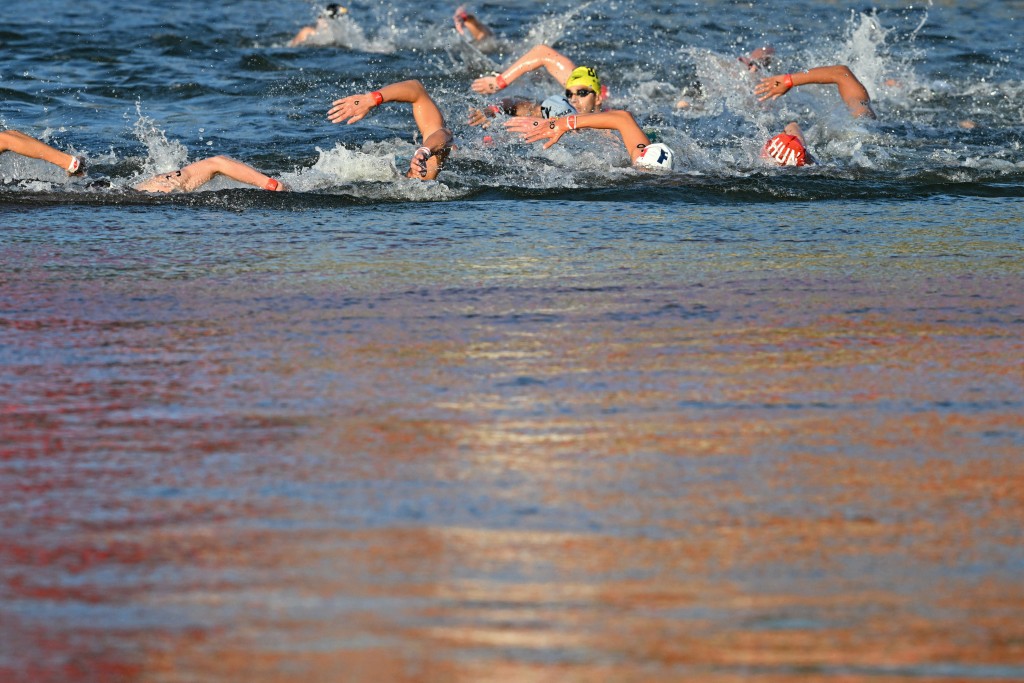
{"points": [[436, 136], [355, 107], [428, 117], [466, 21], [621, 121], [19, 143], [439, 141], [851, 90], [540, 56], [302, 36], [535, 129], [510, 106], [427, 164]]}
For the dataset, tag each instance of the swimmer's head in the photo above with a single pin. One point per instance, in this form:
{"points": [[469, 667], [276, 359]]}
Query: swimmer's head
{"points": [[556, 106], [656, 157], [786, 150], [583, 88], [333, 11], [761, 58], [584, 75]]}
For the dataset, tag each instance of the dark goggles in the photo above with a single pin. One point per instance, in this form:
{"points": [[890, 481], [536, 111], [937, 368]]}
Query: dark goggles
{"points": [[581, 93]]}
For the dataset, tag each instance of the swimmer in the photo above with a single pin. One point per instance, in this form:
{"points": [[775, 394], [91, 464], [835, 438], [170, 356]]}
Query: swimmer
{"points": [[428, 160], [19, 143], [642, 154], [757, 60], [323, 25], [194, 176], [852, 91], [582, 85], [552, 107], [466, 23], [788, 148]]}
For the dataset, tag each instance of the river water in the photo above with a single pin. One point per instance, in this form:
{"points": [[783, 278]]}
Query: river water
{"points": [[544, 419]]}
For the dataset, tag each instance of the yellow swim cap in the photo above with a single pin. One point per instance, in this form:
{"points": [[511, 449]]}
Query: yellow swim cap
{"points": [[584, 75]]}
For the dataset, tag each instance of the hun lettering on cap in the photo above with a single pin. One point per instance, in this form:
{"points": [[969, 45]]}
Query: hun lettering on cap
{"points": [[786, 150]]}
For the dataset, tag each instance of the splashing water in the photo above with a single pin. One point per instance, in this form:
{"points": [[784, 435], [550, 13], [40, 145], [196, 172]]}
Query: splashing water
{"points": [[345, 31], [163, 155]]}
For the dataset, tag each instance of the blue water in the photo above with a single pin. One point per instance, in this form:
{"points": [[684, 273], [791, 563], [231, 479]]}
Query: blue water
{"points": [[141, 89], [546, 417]]}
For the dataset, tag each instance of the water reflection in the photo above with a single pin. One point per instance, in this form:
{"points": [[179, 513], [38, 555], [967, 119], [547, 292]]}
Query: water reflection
{"points": [[767, 478]]}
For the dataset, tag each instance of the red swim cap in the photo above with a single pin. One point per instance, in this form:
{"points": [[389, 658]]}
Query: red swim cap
{"points": [[786, 150]]}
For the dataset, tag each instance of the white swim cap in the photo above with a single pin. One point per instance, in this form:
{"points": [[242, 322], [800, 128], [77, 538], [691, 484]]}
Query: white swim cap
{"points": [[656, 157], [556, 106]]}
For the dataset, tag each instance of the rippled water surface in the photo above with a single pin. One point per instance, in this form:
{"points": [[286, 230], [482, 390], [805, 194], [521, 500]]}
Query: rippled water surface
{"points": [[544, 419]]}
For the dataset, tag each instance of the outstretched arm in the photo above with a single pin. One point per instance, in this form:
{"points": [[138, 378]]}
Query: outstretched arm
{"points": [[19, 143], [197, 174], [853, 92], [540, 56], [535, 129], [436, 136]]}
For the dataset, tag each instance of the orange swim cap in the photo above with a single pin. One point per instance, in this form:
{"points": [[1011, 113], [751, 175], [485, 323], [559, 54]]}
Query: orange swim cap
{"points": [[786, 150]]}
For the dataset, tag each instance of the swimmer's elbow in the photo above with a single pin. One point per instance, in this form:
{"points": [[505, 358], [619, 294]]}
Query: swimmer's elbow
{"points": [[415, 86], [863, 110], [548, 55], [843, 71]]}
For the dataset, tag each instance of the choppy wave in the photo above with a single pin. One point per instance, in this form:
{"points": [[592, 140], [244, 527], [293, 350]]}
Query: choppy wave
{"points": [[218, 85]]}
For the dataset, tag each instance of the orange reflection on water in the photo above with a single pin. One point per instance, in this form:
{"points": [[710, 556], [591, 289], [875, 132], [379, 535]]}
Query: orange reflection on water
{"points": [[778, 491]]}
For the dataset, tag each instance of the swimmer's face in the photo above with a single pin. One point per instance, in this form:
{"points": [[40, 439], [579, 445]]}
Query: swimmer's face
{"points": [[583, 98]]}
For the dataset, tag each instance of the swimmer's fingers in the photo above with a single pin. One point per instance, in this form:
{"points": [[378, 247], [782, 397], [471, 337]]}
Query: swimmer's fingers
{"points": [[348, 118], [534, 129], [552, 135], [547, 130], [771, 88], [541, 133], [523, 124], [418, 163], [555, 134], [485, 85], [340, 111], [350, 109], [478, 118]]}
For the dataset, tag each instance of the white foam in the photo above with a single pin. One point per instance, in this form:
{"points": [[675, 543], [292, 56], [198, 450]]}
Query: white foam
{"points": [[340, 166], [162, 155], [370, 172], [347, 32]]}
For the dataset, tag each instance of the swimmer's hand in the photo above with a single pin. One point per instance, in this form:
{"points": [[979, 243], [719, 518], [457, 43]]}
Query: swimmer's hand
{"points": [[460, 18], [536, 129], [481, 118], [418, 163], [351, 109], [486, 85], [772, 88]]}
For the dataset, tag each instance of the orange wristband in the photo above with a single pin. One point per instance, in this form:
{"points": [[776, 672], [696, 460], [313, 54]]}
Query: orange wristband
{"points": [[271, 185], [787, 81], [378, 99], [500, 80]]}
